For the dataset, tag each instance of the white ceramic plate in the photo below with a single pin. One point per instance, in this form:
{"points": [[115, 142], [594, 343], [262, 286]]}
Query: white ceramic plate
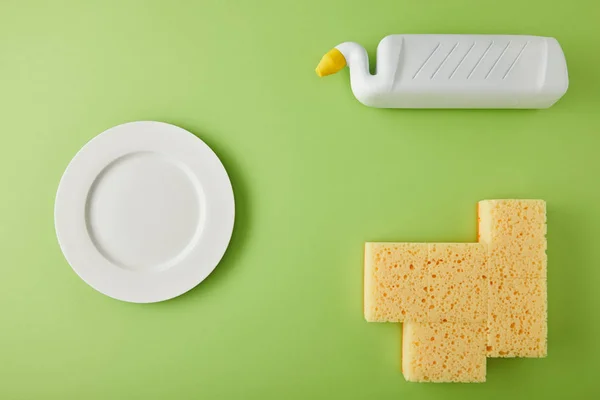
{"points": [[144, 212]]}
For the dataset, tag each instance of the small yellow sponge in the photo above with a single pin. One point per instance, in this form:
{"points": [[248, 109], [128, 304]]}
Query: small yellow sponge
{"points": [[457, 282], [394, 282], [517, 325], [514, 232], [463, 302], [443, 352]]}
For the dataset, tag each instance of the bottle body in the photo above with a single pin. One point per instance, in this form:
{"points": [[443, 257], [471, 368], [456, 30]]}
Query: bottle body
{"points": [[463, 71]]}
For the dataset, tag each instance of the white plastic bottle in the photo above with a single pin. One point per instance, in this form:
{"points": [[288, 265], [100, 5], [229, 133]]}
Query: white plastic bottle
{"points": [[455, 71]]}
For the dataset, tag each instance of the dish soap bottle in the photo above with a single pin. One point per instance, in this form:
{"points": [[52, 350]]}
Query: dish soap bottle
{"points": [[454, 71]]}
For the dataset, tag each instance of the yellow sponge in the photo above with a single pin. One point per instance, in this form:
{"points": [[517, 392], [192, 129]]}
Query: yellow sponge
{"points": [[457, 282], [443, 352], [514, 232], [394, 282], [517, 325], [461, 302]]}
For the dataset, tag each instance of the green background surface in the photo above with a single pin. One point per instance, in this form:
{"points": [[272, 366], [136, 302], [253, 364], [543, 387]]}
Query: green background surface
{"points": [[315, 175]]}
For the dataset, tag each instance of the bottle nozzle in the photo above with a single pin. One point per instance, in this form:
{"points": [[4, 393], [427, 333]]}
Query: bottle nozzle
{"points": [[331, 63]]}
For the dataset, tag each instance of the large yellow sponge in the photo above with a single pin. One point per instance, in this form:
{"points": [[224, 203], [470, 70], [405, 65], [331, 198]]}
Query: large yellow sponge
{"points": [[461, 302]]}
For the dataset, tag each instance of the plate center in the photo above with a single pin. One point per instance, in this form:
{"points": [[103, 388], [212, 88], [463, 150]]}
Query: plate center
{"points": [[143, 211]]}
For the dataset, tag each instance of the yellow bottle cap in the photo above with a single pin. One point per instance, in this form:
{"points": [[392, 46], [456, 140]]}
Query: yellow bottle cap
{"points": [[331, 63]]}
